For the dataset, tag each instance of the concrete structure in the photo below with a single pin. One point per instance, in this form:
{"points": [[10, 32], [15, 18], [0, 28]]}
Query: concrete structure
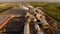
{"points": [[26, 28], [5, 18]]}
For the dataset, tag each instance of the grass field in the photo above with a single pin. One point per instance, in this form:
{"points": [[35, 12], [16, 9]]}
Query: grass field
{"points": [[6, 6], [52, 9]]}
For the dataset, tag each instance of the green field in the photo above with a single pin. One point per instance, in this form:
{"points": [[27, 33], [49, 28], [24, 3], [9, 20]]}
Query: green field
{"points": [[52, 9], [6, 6]]}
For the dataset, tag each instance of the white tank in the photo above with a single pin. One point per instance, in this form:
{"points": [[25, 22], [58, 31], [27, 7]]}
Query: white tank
{"points": [[38, 10], [43, 17], [25, 8], [38, 16], [37, 27], [34, 18], [27, 14], [29, 6], [45, 22]]}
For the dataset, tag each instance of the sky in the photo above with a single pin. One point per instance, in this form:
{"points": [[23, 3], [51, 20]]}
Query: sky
{"points": [[30, 0]]}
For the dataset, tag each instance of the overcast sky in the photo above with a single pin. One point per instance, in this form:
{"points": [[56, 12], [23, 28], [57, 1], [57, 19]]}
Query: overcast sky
{"points": [[30, 0]]}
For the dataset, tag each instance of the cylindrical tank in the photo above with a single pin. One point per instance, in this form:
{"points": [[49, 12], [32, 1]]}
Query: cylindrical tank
{"points": [[30, 8]]}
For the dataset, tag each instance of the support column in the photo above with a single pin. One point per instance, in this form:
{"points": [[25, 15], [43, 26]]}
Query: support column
{"points": [[26, 28]]}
